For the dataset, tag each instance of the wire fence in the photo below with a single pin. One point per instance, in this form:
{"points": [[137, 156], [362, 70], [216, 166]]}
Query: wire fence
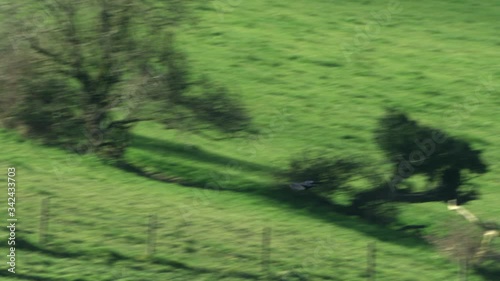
{"points": [[364, 260]]}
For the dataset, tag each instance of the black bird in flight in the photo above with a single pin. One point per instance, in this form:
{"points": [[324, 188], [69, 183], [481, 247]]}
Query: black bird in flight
{"points": [[298, 186]]}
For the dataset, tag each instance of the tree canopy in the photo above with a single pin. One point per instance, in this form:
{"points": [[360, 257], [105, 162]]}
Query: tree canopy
{"points": [[92, 69]]}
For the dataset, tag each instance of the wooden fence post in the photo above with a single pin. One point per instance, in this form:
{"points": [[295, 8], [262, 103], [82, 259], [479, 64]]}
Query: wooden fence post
{"points": [[371, 265], [44, 221], [151, 240], [266, 252]]}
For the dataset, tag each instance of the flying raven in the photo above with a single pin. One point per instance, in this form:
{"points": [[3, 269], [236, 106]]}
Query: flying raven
{"points": [[302, 185]]}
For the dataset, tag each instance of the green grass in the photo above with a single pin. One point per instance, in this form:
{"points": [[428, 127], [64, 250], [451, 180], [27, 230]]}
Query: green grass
{"points": [[98, 219], [286, 61]]}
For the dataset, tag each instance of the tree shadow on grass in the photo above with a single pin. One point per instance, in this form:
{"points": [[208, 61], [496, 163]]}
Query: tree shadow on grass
{"points": [[112, 257], [491, 270], [304, 201], [321, 208], [162, 147], [27, 245], [205, 179], [307, 202], [489, 274]]}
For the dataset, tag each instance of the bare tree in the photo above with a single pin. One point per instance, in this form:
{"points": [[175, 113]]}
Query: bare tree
{"points": [[93, 63]]}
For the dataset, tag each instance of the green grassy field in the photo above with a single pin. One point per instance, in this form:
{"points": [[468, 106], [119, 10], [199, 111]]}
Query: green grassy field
{"points": [[312, 80]]}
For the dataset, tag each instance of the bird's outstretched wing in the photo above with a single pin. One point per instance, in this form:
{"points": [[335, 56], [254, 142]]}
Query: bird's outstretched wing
{"points": [[298, 186]]}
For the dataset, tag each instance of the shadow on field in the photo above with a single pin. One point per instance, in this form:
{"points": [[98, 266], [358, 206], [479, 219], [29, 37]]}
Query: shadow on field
{"points": [[303, 202], [31, 247], [24, 276], [490, 272], [206, 179], [308, 202], [162, 147], [111, 256], [323, 209], [313, 204]]}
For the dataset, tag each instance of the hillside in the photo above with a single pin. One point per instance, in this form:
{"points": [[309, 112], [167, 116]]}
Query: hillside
{"points": [[315, 75], [98, 229]]}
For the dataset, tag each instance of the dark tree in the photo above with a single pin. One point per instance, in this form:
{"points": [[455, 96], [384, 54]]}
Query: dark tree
{"points": [[92, 69]]}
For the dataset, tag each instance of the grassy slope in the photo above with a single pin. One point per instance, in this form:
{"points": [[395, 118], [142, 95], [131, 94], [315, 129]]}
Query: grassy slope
{"points": [[286, 61], [99, 216]]}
